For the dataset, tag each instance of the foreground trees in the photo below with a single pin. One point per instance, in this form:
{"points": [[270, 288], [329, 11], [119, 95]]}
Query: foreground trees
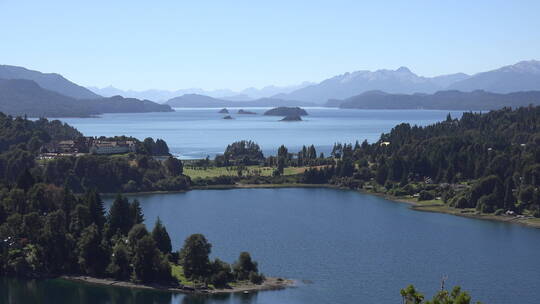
{"points": [[194, 258], [47, 231], [62, 233], [410, 295]]}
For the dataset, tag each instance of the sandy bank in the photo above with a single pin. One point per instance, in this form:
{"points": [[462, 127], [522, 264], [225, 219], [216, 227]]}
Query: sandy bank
{"points": [[243, 287]]}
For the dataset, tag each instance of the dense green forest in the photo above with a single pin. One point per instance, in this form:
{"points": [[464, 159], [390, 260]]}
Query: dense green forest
{"points": [[131, 173], [47, 231], [488, 161], [22, 139], [53, 221]]}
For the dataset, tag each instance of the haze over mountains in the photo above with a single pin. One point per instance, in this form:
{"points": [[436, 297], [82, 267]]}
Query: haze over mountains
{"points": [[224, 94], [522, 76], [442, 100], [49, 94], [36, 94], [49, 81], [202, 101]]}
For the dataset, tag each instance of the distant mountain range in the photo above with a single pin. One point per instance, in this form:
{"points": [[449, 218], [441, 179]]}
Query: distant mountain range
{"points": [[523, 76], [50, 81], [224, 94], [54, 95], [26, 97], [202, 101], [443, 100]]}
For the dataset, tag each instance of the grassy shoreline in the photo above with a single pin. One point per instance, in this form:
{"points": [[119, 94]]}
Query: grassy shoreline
{"points": [[269, 283], [424, 206], [437, 206]]}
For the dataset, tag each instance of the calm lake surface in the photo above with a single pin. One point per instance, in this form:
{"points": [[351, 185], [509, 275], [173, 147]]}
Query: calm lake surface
{"points": [[196, 133], [350, 247]]}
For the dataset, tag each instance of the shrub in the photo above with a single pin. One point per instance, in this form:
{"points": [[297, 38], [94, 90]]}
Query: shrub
{"points": [[425, 196], [256, 278]]}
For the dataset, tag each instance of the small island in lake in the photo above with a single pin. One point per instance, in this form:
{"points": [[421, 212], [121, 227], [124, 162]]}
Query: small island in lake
{"points": [[228, 117], [286, 111], [292, 118], [224, 111], [241, 111]]}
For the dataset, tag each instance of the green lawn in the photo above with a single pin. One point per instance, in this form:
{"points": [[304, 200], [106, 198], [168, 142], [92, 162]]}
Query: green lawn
{"points": [[233, 171], [430, 202]]}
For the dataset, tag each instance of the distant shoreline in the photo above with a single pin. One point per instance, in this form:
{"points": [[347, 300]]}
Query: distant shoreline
{"points": [[414, 205], [441, 208], [269, 283]]}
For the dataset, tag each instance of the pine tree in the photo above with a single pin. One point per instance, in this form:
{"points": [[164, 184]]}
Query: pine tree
{"points": [[194, 256], [95, 207], [161, 237], [509, 198], [119, 218], [136, 213]]}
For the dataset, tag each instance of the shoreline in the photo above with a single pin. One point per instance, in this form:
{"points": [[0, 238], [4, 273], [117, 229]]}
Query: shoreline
{"points": [[270, 283], [468, 213], [412, 202]]}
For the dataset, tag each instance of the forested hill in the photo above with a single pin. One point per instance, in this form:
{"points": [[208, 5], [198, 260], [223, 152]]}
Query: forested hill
{"points": [[499, 150], [49, 81], [26, 97], [443, 100], [487, 161], [22, 140]]}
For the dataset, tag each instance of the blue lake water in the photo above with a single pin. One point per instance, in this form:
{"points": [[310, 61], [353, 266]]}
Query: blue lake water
{"points": [[196, 133], [353, 247]]}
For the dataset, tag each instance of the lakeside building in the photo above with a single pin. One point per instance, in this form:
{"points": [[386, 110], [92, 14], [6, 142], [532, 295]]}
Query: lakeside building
{"points": [[112, 147], [85, 145]]}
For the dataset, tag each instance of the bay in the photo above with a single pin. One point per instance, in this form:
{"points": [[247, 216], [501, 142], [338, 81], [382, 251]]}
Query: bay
{"points": [[342, 247], [197, 133]]}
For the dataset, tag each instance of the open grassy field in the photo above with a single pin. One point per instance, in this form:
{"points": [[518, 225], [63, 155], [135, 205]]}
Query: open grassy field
{"points": [[233, 171]]}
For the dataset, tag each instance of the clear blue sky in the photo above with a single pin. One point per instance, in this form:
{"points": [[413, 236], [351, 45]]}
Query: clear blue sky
{"points": [[238, 44]]}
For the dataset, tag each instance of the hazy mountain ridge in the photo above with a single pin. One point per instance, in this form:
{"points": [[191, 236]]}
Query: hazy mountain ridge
{"points": [[443, 100], [225, 94], [522, 76], [26, 97], [202, 101], [401, 80], [50, 81]]}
